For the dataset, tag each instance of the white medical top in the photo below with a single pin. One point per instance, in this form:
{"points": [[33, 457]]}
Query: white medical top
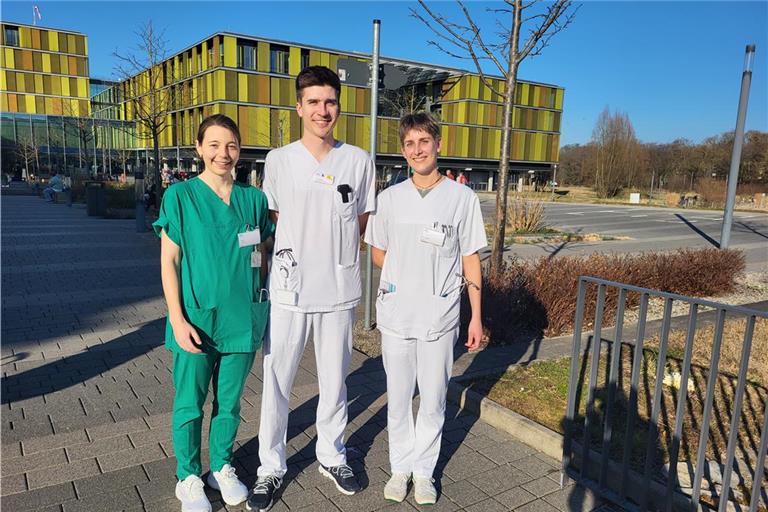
{"points": [[420, 288], [317, 242]]}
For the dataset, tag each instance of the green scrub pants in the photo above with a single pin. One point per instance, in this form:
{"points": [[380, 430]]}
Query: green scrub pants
{"points": [[191, 375]]}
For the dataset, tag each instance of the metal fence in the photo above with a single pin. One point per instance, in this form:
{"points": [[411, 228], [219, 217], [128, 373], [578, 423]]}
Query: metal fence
{"points": [[624, 463]]}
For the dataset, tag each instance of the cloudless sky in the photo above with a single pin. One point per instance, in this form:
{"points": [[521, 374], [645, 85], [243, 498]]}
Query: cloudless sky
{"points": [[674, 67]]}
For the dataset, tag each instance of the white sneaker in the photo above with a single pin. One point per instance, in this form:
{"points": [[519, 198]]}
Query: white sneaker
{"points": [[424, 491], [233, 491], [191, 494], [397, 487]]}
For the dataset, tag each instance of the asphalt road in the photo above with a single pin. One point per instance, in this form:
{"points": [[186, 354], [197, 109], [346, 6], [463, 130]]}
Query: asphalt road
{"points": [[649, 229]]}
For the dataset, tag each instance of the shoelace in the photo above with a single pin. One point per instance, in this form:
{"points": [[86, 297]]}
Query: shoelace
{"points": [[196, 488], [262, 484], [343, 471], [228, 474]]}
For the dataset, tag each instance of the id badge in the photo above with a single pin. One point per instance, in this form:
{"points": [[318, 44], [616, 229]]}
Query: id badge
{"points": [[249, 238], [256, 257], [433, 236], [322, 178], [286, 297]]}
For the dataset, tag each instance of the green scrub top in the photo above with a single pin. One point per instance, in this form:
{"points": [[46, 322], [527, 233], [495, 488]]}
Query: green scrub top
{"points": [[221, 294]]}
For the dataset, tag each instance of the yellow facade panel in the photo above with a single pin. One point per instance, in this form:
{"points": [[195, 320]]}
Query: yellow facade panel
{"points": [[4, 102], [262, 56], [47, 62], [242, 89], [230, 51], [294, 60], [29, 103], [38, 83], [10, 62], [82, 87], [53, 41]]}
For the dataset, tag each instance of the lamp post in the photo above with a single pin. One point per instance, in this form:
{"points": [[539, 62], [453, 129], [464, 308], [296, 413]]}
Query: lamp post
{"points": [[738, 142]]}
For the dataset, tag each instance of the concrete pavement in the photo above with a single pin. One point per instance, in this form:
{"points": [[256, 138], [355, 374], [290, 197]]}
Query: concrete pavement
{"points": [[87, 392]]}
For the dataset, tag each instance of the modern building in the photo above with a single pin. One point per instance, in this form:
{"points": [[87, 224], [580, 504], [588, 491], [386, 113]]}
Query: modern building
{"points": [[251, 79]]}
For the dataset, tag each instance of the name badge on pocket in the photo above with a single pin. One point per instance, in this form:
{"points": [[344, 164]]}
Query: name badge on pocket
{"points": [[433, 236], [322, 178], [286, 297], [256, 257], [249, 238]]}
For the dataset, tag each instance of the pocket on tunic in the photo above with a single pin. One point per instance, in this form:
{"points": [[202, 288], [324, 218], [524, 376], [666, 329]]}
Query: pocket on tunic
{"points": [[259, 319], [445, 313], [203, 320], [347, 232]]}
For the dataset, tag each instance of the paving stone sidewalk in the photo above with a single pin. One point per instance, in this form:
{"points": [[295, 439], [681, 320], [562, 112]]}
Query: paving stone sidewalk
{"points": [[87, 393]]}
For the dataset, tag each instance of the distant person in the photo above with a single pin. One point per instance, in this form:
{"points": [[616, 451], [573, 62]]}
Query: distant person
{"points": [[449, 174], [425, 236], [462, 179], [55, 185], [213, 269]]}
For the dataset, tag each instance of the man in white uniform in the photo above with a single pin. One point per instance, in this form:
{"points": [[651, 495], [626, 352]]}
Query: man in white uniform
{"points": [[424, 235], [320, 191]]}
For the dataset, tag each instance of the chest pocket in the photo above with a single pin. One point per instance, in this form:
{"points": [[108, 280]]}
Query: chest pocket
{"points": [[347, 232]]}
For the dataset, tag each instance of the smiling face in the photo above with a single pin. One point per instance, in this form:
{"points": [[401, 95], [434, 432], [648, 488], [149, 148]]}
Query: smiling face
{"points": [[318, 107], [420, 150], [219, 150]]}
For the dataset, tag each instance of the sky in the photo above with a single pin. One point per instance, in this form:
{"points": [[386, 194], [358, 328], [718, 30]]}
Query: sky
{"points": [[675, 68]]}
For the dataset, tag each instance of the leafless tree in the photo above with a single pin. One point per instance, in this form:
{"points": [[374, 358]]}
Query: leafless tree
{"points": [[144, 89], [501, 46], [399, 102], [617, 152], [28, 151]]}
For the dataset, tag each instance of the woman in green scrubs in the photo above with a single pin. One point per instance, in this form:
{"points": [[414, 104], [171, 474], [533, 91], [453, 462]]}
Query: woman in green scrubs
{"points": [[213, 270]]}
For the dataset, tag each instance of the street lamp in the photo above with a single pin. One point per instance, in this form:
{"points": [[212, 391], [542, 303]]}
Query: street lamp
{"points": [[733, 176]]}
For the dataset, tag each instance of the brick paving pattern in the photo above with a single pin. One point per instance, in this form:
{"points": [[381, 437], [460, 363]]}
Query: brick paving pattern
{"points": [[87, 393]]}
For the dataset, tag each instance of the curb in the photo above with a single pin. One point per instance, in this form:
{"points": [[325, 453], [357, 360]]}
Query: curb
{"points": [[523, 429]]}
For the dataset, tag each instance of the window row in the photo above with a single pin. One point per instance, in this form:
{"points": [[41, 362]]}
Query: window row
{"points": [[43, 84], [492, 114], [527, 94], [41, 39], [26, 103], [42, 62]]}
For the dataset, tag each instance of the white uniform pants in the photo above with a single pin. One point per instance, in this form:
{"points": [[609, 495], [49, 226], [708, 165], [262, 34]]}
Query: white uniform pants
{"points": [[283, 348], [415, 447]]}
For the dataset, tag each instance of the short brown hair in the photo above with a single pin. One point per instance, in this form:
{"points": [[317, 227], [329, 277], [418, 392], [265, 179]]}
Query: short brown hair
{"points": [[317, 75], [218, 120], [419, 121]]}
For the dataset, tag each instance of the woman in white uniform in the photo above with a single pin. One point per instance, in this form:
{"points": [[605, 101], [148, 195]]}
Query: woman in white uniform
{"points": [[425, 235]]}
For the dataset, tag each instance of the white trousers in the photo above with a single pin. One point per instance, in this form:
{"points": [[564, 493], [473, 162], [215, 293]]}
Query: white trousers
{"points": [[414, 447], [283, 348]]}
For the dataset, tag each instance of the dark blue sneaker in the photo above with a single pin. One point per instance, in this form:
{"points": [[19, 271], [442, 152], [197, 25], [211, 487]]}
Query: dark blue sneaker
{"points": [[262, 496], [343, 477]]}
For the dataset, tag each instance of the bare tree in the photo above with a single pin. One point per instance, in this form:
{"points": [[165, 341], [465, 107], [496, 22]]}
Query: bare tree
{"points": [[398, 102], [144, 88], [501, 46], [617, 152], [28, 151]]}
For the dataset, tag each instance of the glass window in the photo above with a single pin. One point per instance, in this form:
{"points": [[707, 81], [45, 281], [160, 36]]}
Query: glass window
{"points": [[278, 59], [304, 58], [11, 36], [246, 54], [221, 53]]}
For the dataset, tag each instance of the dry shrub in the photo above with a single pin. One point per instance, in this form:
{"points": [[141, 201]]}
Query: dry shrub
{"points": [[672, 198], [541, 294], [525, 216]]}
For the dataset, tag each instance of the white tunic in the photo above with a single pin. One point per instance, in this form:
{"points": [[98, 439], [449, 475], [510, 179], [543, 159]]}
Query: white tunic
{"points": [[420, 286], [316, 267]]}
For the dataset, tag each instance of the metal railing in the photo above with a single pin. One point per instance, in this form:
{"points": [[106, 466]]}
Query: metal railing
{"points": [[633, 482]]}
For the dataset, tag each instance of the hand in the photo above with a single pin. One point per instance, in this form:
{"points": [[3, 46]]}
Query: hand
{"points": [[187, 337], [474, 334]]}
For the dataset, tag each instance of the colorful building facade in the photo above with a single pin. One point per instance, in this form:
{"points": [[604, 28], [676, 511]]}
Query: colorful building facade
{"points": [[252, 80]]}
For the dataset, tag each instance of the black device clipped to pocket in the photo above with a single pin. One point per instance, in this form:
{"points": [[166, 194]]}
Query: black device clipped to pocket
{"points": [[345, 191]]}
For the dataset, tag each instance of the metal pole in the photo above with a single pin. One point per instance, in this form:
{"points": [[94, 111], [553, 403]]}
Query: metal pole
{"points": [[738, 141], [554, 180], [368, 323]]}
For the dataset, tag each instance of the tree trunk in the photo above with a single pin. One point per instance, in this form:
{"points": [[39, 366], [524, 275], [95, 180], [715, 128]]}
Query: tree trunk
{"points": [[497, 247], [156, 170]]}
